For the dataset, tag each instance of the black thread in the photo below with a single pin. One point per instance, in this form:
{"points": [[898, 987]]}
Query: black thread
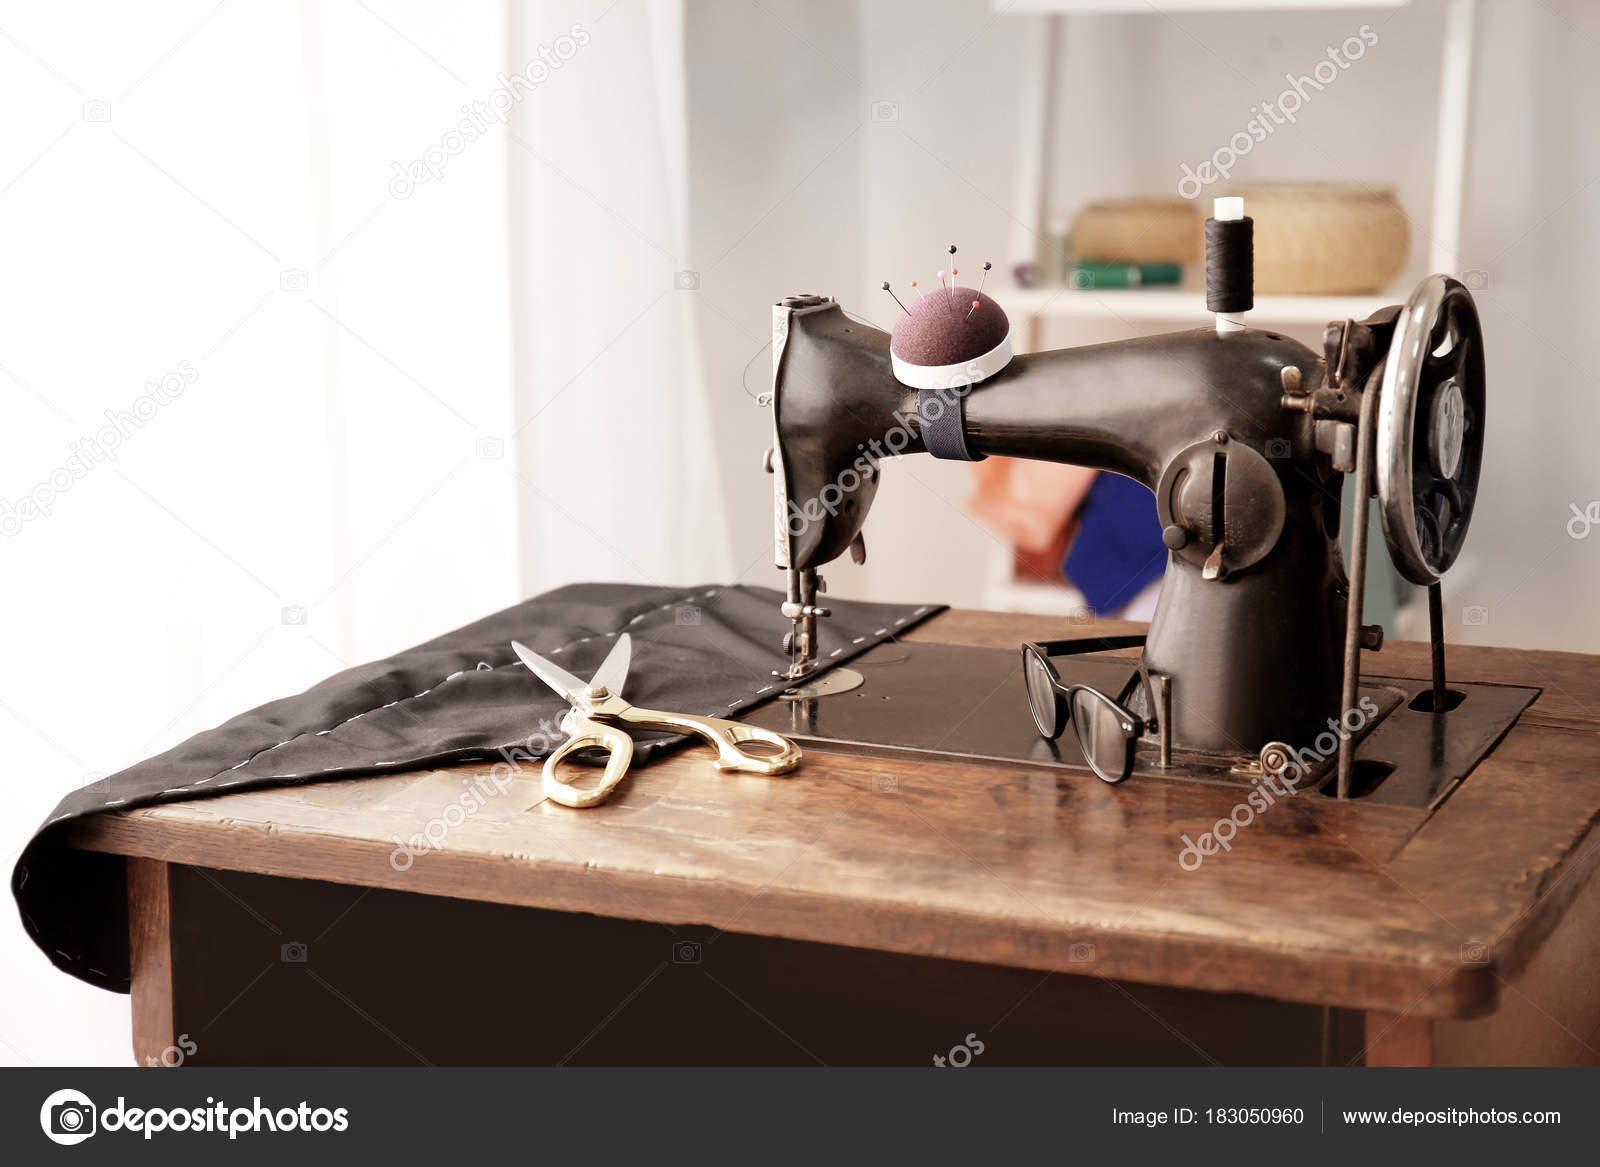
{"points": [[1230, 265]]}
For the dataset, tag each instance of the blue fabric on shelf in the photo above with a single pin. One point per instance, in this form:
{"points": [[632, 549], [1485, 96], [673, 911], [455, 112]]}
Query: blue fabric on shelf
{"points": [[1118, 549]]}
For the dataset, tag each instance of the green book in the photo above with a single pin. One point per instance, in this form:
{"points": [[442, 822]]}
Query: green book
{"points": [[1088, 276]]}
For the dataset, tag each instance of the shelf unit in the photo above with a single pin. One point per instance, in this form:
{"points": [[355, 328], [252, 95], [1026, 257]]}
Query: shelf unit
{"points": [[1185, 306], [1036, 127]]}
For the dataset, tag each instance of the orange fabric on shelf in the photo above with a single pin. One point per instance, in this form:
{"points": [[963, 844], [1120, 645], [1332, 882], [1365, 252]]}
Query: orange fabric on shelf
{"points": [[1033, 505]]}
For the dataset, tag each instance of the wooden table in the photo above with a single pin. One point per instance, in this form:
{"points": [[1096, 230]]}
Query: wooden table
{"points": [[883, 911]]}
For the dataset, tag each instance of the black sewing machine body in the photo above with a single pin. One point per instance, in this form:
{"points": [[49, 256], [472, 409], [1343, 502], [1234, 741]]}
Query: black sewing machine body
{"points": [[1187, 414], [1243, 436]]}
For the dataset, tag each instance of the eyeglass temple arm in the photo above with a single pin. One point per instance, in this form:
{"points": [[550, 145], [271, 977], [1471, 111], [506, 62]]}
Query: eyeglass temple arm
{"points": [[1084, 644]]}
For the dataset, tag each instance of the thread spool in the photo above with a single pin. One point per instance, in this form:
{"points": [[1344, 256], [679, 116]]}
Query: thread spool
{"points": [[1230, 263]]}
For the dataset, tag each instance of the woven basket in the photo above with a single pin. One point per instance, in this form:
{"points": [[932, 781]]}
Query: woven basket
{"points": [[1138, 230], [1319, 238]]}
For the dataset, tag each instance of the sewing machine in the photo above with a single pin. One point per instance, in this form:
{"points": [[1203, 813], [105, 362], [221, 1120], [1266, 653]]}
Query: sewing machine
{"points": [[1244, 436]]}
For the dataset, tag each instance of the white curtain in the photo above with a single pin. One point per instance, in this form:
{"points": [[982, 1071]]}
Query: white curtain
{"points": [[617, 465], [305, 363]]}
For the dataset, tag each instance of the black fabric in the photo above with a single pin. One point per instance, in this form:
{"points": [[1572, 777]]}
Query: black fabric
{"points": [[942, 417], [461, 697]]}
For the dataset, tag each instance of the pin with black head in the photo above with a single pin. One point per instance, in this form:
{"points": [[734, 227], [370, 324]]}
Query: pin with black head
{"points": [[890, 290]]}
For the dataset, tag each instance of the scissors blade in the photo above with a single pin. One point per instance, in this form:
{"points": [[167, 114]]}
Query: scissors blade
{"points": [[613, 671], [553, 675]]}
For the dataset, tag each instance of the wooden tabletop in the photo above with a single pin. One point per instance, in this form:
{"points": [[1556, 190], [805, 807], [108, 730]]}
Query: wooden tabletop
{"points": [[1350, 904]]}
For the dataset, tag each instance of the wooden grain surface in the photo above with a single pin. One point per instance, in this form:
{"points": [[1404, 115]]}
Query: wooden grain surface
{"points": [[1363, 906]]}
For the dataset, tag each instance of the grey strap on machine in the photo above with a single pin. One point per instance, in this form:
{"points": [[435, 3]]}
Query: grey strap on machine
{"points": [[942, 415]]}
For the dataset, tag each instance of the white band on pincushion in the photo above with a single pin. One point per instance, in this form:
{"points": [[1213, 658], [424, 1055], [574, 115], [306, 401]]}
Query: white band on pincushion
{"points": [[953, 376]]}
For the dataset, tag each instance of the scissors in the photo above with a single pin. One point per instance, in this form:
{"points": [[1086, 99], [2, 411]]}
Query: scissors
{"points": [[598, 710]]}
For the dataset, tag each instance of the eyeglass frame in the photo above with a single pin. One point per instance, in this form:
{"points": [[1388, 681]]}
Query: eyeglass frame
{"points": [[1157, 687]]}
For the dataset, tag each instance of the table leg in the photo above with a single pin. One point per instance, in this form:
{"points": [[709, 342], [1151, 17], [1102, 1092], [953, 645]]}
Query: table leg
{"points": [[1399, 1040], [150, 957]]}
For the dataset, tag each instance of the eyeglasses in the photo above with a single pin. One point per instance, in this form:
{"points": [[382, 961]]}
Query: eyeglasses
{"points": [[1107, 728]]}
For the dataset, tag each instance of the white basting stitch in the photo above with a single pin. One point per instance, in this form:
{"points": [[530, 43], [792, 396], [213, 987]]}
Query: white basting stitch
{"points": [[858, 640], [736, 704], [881, 632], [116, 802], [175, 790], [836, 652]]}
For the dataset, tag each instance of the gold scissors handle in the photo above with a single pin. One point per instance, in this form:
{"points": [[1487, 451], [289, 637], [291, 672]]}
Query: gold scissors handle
{"points": [[594, 723], [585, 734], [726, 737]]}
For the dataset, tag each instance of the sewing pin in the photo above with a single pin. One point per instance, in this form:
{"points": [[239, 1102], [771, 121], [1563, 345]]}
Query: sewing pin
{"points": [[970, 311], [890, 290], [952, 270], [986, 266]]}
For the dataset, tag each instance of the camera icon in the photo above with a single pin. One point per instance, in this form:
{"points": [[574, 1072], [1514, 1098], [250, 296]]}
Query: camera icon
{"points": [[1080, 279], [885, 111], [97, 110], [686, 952], [1278, 448], [293, 952], [1476, 280], [294, 614], [1081, 953], [490, 449], [1082, 614], [686, 281], [68, 1117], [293, 280], [1474, 952], [96, 783], [686, 616], [1475, 615], [885, 784]]}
